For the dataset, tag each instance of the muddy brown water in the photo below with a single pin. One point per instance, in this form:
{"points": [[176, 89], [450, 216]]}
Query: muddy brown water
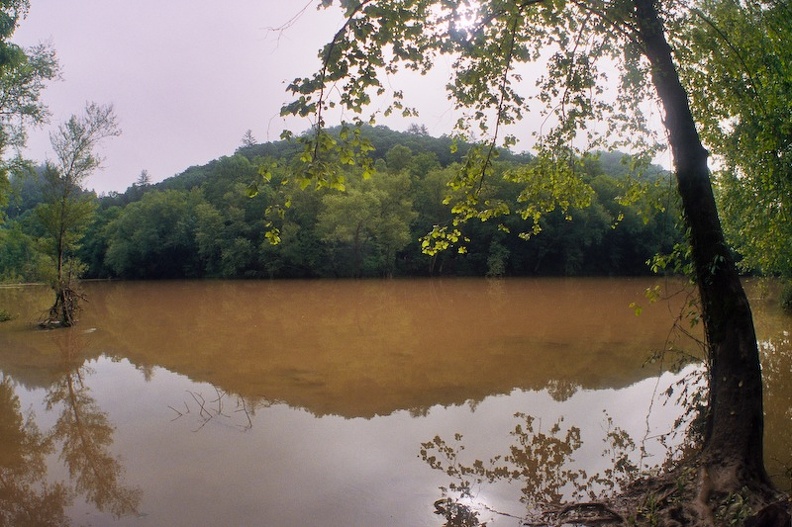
{"points": [[346, 402]]}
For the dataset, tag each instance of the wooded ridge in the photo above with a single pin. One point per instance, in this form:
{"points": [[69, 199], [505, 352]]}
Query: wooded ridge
{"points": [[202, 223]]}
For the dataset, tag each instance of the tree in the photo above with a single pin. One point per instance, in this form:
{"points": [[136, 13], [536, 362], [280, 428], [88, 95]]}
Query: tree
{"points": [[579, 42], [23, 75], [67, 209], [745, 109], [248, 140], [375, 212], [417, 129], [20, 261], [155, 237], [733, 443], [143, 180], [398, 158]]}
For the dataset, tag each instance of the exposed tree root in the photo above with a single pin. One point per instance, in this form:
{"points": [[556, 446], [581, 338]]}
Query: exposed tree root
{"points": [[584, 514], [690, 496], [65, 310]]}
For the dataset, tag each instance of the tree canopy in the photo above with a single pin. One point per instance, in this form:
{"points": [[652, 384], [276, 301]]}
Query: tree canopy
{"points": [[742, 72], [23, 76], [201, 223]]}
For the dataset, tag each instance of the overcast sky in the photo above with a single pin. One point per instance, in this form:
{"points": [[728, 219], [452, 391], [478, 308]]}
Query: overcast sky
{"points": [[187, 78]]}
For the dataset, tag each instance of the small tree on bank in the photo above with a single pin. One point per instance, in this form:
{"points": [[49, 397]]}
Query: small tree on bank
{"points": [[67, 208]]}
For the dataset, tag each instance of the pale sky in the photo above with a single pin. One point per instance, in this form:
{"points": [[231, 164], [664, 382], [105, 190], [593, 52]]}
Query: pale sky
{"points": [[187, 78]]}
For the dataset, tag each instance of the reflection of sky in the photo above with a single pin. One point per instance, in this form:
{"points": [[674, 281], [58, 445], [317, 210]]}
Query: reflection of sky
{"points": [[292, 468]]}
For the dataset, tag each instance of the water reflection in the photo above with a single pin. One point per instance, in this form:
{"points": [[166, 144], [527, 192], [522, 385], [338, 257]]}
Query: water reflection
{"points": [[234, 412], [774, 329], [360, 349], [305, 403], [82, 435], [85, 434], [546, 462], [26, 498]]}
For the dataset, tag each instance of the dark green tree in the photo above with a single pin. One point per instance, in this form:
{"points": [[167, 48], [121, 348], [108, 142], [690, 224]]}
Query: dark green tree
{"points": [[155, 237], [20, 260], [248, 140]]}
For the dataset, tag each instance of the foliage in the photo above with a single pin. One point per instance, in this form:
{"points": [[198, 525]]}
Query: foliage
{"points": [[20, 258], [64, 215], [376, 212], [201, 223], [23, 75], [155, 236], [786, 296], [737, 59], [490, 44]]}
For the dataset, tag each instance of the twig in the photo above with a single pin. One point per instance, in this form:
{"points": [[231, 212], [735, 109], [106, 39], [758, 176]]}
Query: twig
{"points": [[201, 403], [178, 412]]}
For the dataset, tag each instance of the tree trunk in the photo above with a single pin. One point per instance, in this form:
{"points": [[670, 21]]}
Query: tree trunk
{"points": [[733, 442], [357, 252]]}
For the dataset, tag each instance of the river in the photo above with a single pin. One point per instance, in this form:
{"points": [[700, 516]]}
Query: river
{"points": [[340, 403]]}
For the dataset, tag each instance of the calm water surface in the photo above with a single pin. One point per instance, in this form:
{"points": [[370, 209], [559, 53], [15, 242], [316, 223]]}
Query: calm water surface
{"points": [[341, 403]]}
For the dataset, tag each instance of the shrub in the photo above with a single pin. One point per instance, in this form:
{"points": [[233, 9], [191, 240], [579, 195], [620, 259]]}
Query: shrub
{"points": [[786, 296]]}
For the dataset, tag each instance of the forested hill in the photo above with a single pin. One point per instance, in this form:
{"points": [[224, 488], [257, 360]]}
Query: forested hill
{"points": [[203, 224]]}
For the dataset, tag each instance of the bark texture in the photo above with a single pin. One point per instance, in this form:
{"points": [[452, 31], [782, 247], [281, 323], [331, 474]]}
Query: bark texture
{"points": [[733, 447]]}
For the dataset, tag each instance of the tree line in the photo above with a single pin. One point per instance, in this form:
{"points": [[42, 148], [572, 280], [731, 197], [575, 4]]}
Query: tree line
{"points": [[203, 223]]}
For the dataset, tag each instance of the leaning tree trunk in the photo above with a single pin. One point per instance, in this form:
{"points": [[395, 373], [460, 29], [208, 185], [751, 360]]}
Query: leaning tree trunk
{"points": [[732, 452]]}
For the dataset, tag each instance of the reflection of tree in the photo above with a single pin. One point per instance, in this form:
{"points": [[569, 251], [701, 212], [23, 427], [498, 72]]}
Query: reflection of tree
{"points": [[542, 463], [218, 409], [86, 435], [26, 500], [561, 390], [390, 340], [776, 368], [774, 335]]}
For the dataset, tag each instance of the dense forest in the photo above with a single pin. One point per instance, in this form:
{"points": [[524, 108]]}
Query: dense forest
{"points": [[203, 223]]}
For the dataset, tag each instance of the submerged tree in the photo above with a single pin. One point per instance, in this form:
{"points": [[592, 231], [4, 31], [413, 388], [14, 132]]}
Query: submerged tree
{"points": [[67, 209], [580, 44]]}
